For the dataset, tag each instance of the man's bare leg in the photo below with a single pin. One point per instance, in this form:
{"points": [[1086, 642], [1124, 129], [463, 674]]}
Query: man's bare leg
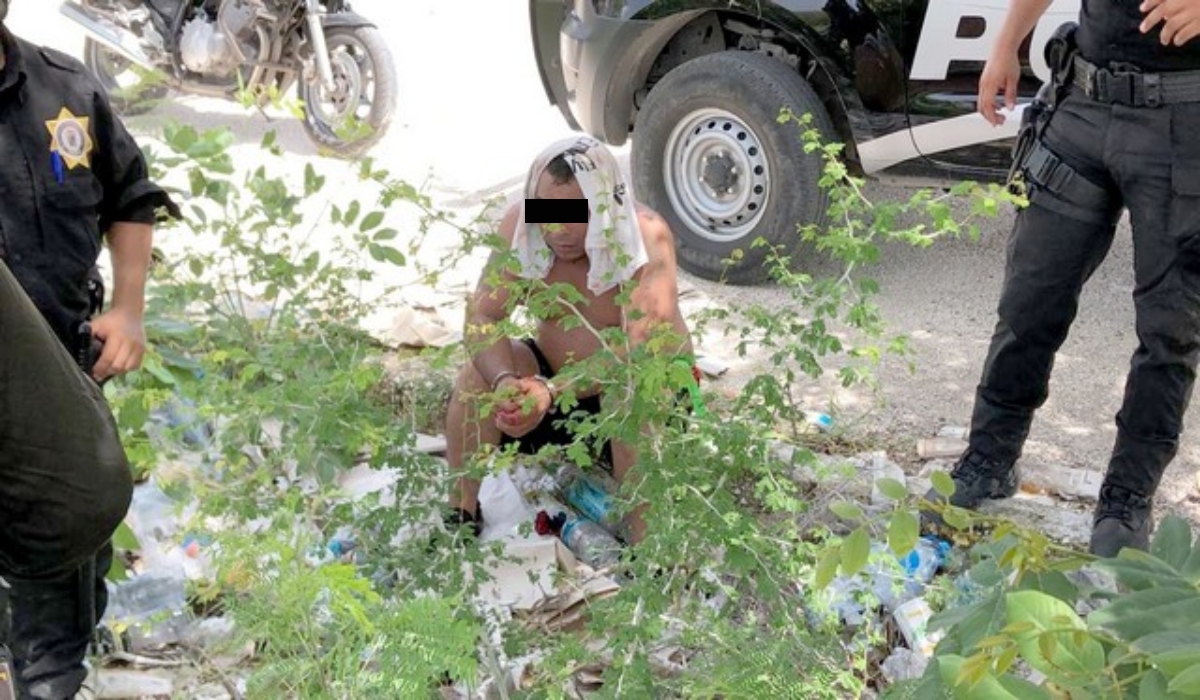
{"points": [[467, 430], [624, 457]]}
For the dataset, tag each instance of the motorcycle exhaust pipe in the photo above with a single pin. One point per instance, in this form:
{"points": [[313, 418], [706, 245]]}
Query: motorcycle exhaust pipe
{"points": [[101, 30]]}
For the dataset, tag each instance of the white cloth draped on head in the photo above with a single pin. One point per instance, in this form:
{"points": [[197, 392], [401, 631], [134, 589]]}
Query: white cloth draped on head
{"points": [[614, 240]]}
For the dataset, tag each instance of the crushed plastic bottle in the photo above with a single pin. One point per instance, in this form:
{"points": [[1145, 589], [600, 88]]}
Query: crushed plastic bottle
{"points": [[925, 559], [591, 495], [590, 543], [146, 596]]}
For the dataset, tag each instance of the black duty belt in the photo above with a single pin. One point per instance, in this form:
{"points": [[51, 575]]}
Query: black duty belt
{"points": [[1134, 88]]}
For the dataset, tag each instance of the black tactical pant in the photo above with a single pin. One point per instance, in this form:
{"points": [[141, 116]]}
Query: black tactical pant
{"points": [[1148, 160], [64, 488]]}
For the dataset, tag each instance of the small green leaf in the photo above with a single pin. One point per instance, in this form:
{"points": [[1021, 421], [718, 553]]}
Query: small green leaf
{"points": [[312, 181], [1050, 646], [942, 483], [1187, 682], [1172, 542], [891, 488], [846, 510], [903, 532], [954, 671], [371, 221], [856, 550], [1140, 613], [1175, 661], [956, 518], [1054, 583], [124, 538], [827, 566], [1154, 687]]}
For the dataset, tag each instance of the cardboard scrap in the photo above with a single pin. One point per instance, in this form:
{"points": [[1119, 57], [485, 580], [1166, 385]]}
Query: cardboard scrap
{"points": [[567, 610], [421, 328]]}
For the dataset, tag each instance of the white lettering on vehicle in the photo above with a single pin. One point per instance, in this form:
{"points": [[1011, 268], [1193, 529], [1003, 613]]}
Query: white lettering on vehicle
{"points": [[939, 43]]}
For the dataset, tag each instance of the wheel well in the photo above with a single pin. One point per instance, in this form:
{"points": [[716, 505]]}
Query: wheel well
{"points": [[714, 32]]}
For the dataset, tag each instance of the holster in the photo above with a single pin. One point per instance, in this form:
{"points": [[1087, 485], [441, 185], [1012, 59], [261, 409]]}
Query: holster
{"points": [[87, 346], [1060, 54]]}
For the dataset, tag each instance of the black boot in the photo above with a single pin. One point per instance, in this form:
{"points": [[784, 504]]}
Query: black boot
{"points": [[52, 624], [976, 479], [1124, 518]]}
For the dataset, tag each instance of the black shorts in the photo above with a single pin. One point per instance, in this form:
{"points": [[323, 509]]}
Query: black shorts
{"points": [[553, 431]]}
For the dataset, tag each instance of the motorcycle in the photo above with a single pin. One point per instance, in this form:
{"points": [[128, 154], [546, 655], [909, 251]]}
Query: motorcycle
{"points": [[337, 59]]}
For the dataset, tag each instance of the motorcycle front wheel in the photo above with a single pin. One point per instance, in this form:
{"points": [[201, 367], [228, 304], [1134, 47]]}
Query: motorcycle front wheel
{"points": [[130, 89], [352, 117]]}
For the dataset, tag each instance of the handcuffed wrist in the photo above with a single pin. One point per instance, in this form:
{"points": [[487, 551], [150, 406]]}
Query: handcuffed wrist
{"points": [[549, 384], [501, 377]]}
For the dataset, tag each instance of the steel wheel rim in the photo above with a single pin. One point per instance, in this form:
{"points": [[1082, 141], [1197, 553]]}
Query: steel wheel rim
{"points": [[717, 175]]}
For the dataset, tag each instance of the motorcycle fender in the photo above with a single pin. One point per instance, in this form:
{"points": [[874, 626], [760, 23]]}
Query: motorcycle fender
{"points": [[345, 19]]}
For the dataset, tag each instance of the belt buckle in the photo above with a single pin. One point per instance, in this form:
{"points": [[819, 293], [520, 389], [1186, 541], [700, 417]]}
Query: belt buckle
{"points": [[1114, 87], [1041, 166]]}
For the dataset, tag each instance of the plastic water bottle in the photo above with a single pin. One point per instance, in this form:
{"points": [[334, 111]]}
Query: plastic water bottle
{"points": [[590, 543], [148, 595], [591, 495], [925, 559]]}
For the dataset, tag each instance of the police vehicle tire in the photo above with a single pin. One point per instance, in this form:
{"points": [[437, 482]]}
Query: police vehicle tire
{"points": [[710, 155], [106, 66]]}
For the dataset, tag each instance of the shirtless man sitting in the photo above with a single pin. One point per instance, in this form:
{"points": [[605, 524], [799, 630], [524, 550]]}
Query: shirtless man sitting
{"points": [[605, 245]]}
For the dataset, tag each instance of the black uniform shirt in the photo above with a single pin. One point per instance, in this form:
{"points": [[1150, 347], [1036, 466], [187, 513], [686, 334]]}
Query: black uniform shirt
{"points": [[1108, 31], [68, 170]]}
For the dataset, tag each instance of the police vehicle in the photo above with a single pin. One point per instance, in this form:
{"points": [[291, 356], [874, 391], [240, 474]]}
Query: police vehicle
{"points": [[698, 85]]}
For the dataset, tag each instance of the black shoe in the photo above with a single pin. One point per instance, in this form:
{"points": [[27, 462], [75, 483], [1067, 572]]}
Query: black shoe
{"points": [[1123, 518], [976, 479]]}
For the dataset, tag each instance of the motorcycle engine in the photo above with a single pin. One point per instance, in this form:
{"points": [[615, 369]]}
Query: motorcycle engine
{"points": [[217, 47]]}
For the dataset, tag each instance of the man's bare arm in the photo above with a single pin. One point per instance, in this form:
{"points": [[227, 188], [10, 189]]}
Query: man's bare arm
{"points": [[654, 303], [492, 357]]}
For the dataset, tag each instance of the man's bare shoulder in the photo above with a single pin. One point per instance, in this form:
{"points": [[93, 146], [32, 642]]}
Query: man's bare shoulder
{"points": [[508, 222]]}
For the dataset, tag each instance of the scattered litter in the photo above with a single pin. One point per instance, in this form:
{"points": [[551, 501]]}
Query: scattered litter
{"points": [[821, 421], [589, 542], [591, 494], [146, 596], [890, 580], [711, 366], [421, 328], [115, 683], [431, 444], [954, 432], [932, 448], [903, 664], [912, 619]]}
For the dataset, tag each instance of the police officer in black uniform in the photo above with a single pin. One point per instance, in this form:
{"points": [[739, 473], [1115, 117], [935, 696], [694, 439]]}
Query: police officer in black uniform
{"points": [[1124, 133], [69, 173]]}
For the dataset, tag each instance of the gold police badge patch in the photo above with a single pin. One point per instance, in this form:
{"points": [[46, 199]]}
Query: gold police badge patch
{"points": [[69, 139]]}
